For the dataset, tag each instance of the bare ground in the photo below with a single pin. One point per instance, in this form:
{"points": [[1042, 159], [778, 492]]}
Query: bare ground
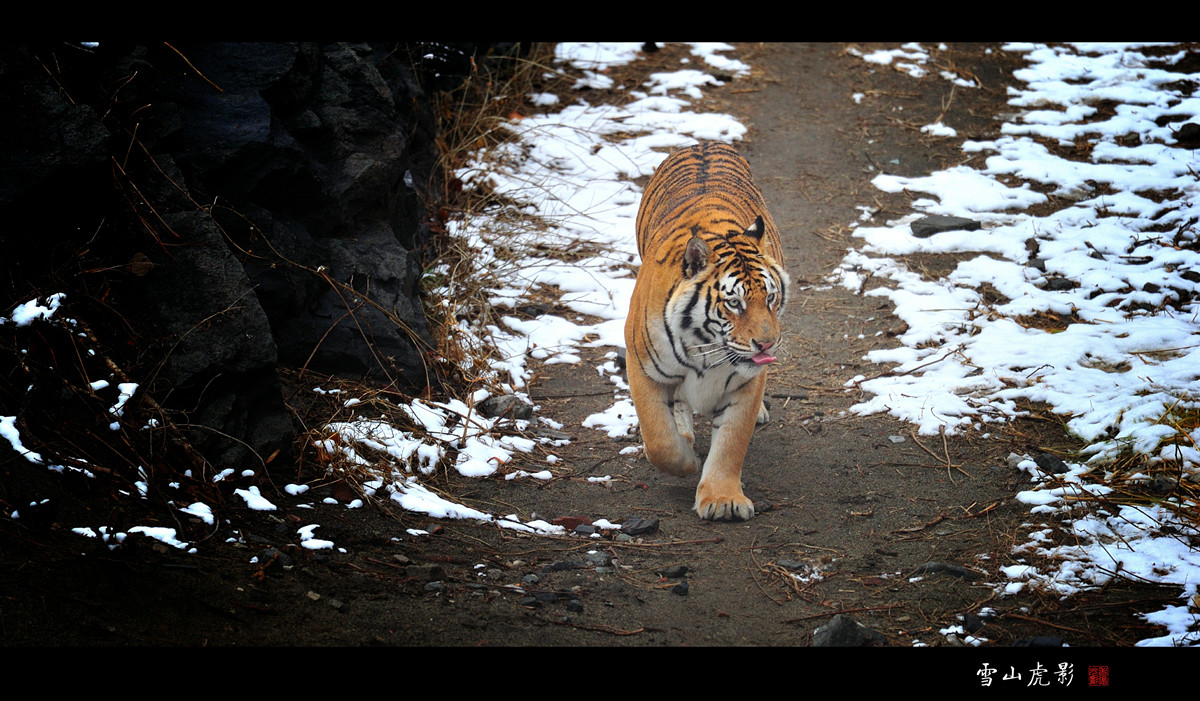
{"points": [[841, 504]]}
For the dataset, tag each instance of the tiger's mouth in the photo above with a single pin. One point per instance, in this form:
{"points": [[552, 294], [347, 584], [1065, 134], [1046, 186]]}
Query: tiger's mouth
{"points": [[762, 358]]}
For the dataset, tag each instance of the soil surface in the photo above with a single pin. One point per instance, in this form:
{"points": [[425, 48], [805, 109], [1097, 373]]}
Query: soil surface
{"points": [[848, 517]]}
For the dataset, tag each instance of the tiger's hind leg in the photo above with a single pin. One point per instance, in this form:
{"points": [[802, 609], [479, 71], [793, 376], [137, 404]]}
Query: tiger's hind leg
{"points": [[683, 421], [764, 413], [667, 447]]}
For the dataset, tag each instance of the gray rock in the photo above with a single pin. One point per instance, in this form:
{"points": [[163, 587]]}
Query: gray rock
{"points": [[598, 559], [427, 573], [639, 526], [274, 187], [842, 631], [936, 224], [956, 570], [1051, 464], [508, 405]]}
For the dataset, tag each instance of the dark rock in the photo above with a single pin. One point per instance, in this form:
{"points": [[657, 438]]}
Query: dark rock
{"points": [[1162, 485], [552, 434], [268, 212], [427, 573], [1188, 135], [277, 555], [674, 571], [681, 588], [598, 559], [942, 567], [937, 223], [1050, 464], [1058, 284], [1040, 641], [639, 526], [507, 405], [842, 631]]}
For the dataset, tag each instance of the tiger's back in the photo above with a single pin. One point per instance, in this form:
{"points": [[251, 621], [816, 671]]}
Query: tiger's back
{"points": [[703, 321], [709, 182]]}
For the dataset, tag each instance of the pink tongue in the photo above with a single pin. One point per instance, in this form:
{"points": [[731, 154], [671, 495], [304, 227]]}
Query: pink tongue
{"points": [[763, 358]]}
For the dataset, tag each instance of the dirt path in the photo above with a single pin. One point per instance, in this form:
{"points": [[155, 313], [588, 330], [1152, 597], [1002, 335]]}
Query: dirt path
{"points": [[843, 504]]}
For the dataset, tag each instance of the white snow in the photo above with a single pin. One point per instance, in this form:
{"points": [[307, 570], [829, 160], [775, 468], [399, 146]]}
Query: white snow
{"points": [[1121, 361]]}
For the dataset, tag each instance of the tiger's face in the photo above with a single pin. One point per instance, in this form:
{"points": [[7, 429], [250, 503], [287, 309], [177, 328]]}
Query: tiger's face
{"points": [[727, 307], [750, 308]]}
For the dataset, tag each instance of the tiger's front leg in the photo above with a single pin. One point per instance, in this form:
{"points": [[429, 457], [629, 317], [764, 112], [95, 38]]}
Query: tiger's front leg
{"points": [[719, 495], [666, 448]]}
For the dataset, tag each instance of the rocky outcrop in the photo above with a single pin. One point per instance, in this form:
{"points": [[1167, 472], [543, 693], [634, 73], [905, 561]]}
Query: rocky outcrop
{"points": [[240, 207]]}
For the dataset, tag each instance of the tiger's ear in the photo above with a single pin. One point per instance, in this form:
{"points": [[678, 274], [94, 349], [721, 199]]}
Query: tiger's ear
{"points": [[695, 257], [756, 229]]}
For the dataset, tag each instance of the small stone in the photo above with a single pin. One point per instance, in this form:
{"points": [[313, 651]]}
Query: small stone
{"points": [[508, 406], [681, 589], [674, 571], [598, 559], [1050, 464], [530, 579], [438, 587], [842, 631], [280, 556], [427, 573], [956, 570], [639, 526], [936, 224], [1188, 135], [1040, 641]]}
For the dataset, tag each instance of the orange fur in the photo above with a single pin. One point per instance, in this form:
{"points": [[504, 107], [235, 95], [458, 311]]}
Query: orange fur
{"points": [[704, 318]]}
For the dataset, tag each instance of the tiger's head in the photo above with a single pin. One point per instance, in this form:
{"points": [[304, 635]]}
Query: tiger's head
{"points": [[728, 303]]}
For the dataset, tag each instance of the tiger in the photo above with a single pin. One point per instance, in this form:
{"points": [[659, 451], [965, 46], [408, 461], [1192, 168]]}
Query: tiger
{"points": [[703, 320]]}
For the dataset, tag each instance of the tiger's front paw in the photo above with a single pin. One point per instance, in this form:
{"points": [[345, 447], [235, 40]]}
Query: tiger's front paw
{"points": [[730, 504]]}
